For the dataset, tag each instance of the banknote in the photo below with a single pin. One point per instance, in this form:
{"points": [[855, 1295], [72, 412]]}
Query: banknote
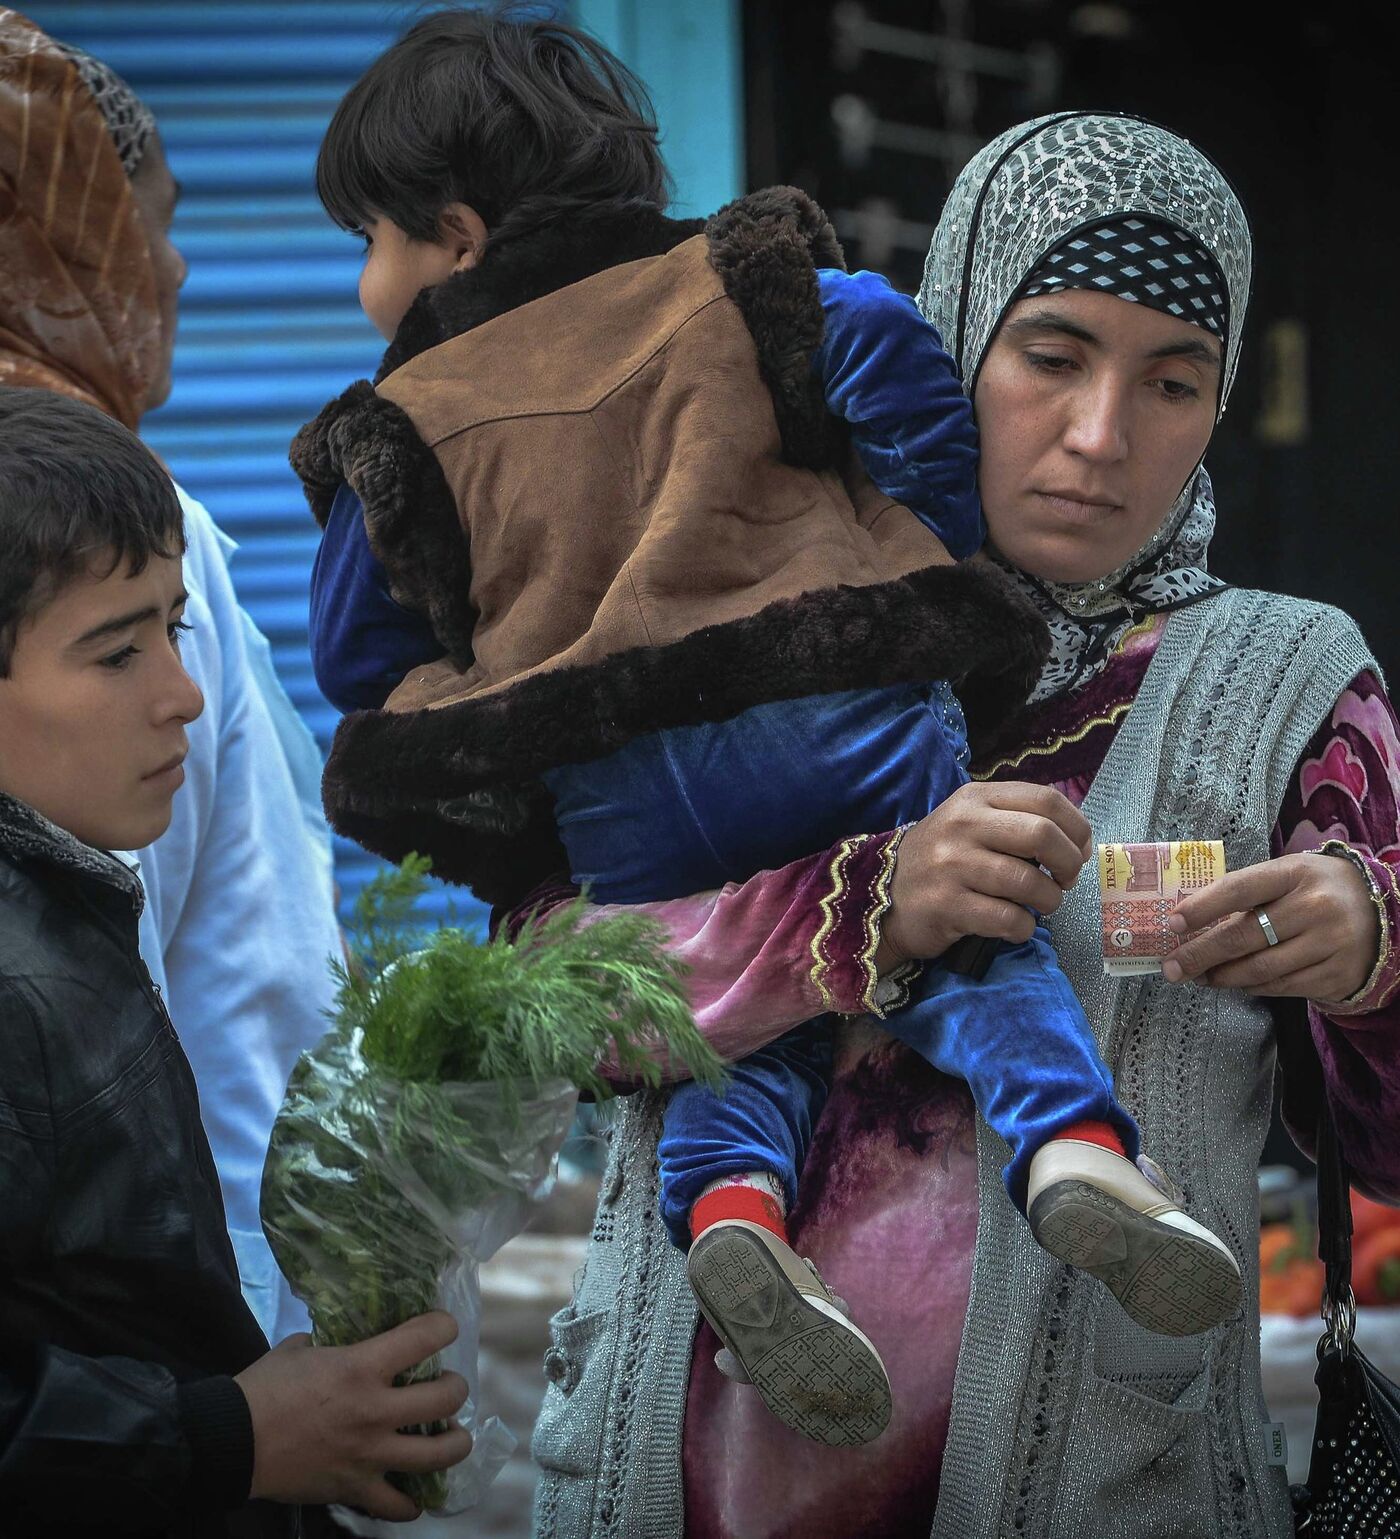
{"points": [[1139, 885]]}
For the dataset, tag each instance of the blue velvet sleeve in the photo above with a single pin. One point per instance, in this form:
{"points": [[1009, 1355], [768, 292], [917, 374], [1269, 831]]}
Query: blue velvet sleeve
{"points": [[363, 641], [884, 369]]}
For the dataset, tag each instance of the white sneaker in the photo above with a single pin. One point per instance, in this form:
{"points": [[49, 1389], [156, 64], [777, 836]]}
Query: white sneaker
{"points": [[787, 1333], [1123, 1224]]}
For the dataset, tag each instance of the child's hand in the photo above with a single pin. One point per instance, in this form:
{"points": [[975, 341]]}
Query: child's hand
{"points": [[973, 867], [326, 1419]]}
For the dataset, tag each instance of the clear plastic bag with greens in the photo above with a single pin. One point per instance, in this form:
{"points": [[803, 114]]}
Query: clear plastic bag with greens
{"points": [[384, 1196], [415, 1137]]}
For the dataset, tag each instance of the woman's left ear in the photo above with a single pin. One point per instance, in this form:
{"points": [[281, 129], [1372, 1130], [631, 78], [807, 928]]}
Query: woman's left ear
{"points": [[463, 232]]}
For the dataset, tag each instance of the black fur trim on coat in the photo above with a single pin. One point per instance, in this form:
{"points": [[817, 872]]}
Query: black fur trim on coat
{"points": [[766, 249], [963, 623], [311, 454], [500, 868], [410, 513]]}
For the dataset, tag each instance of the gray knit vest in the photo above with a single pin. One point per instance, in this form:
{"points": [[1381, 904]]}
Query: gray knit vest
{"points": [[1067, 1418]]}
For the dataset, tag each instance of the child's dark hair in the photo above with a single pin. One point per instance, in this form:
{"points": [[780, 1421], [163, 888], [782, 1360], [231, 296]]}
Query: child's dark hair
{"points": [[75, 486], [520, 117]]}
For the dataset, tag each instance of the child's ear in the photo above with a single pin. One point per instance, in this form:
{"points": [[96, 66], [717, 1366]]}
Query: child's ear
{"points": [[463, 232]]}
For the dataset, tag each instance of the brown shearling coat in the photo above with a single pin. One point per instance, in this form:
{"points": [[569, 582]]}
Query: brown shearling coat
{"points": [[613, 455], [607, 476]]}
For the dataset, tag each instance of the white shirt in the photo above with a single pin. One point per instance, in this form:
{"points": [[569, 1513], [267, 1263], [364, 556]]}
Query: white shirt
{"points": [[239, 924]]}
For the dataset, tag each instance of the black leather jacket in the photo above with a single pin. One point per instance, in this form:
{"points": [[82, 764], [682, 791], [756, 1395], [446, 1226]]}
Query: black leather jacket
{"points": [[121, 1320]]}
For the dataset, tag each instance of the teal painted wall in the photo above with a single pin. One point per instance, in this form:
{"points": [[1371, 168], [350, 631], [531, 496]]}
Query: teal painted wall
{"points": [[689, 55]]}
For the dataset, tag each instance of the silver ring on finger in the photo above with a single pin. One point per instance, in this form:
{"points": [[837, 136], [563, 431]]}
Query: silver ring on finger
{"points": [[1269, 933]]}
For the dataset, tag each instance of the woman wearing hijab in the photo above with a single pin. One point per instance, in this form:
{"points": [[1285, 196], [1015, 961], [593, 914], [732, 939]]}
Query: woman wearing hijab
{"points": [[239, 919], [1090, 275]]}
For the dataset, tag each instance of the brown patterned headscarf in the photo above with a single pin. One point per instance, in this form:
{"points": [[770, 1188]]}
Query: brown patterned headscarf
{"points": [[79, 309]]}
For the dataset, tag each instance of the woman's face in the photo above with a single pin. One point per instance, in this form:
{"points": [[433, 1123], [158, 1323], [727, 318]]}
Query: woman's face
{"points": [[156, 193], [1092, 413]]}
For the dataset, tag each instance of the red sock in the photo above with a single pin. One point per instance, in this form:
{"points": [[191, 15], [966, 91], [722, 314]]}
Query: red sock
{"points": [[1091, 1132], [746, 1202]]}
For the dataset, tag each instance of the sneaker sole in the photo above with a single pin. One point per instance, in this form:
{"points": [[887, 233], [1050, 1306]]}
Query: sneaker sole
{"points": [[817, 1374], [1168, 1280]]}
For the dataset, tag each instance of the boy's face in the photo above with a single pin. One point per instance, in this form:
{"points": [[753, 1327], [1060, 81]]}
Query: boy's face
{"points": [[94, 710], [398, 268]]}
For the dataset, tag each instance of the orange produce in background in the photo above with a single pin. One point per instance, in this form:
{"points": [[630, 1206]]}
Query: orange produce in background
{"points": [[1279, 1245], [1290, 1275], [1368, 1218], [1375, 1267]]}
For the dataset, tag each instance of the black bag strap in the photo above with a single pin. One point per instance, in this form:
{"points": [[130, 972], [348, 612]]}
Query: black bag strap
{"points": [[1298, 1057], [1333, 1204]]}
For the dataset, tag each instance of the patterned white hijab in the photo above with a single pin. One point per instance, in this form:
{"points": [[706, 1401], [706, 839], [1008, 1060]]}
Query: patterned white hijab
{"points": [[1018, 197]]}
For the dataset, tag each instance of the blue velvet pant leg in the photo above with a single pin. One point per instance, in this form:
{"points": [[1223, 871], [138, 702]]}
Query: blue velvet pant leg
{"points": [[761, 1120], [1021, 1040]]}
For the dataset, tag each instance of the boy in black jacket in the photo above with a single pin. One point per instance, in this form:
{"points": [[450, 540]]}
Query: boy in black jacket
{"points": [[137, 1394]]}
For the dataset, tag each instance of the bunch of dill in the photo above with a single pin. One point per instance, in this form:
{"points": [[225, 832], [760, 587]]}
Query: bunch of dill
{"points": [[548, 1006], [443, 1087]]}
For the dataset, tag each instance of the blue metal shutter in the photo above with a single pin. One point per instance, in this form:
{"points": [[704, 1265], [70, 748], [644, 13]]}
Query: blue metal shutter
{"points": [[270, 326]]}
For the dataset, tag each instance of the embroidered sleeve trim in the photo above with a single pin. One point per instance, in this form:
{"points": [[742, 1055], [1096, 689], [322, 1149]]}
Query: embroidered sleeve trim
{"points": [[1382, 896], [822, 961], [873, 918], [858, 876]]}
